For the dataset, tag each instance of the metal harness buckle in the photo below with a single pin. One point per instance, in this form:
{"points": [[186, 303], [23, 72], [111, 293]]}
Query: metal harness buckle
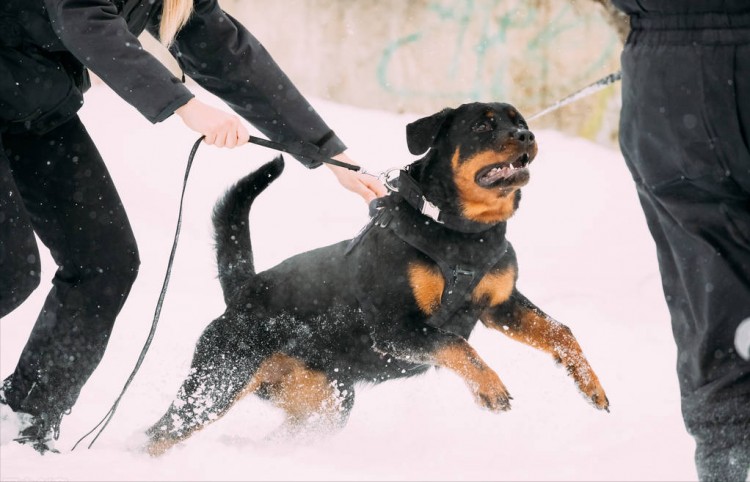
{"points": [[430, 210]]}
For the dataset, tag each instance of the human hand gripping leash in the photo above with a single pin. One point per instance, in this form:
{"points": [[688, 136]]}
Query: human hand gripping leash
{"points": [[301, 149]]}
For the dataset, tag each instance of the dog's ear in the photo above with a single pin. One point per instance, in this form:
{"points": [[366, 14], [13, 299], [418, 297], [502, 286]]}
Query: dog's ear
{"points": [[421, 134]]}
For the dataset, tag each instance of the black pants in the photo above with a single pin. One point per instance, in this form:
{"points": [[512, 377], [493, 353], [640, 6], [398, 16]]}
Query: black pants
{"points": [[685, 133], [57, 186]]}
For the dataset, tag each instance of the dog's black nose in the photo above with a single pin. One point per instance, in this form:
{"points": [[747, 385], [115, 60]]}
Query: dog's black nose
{"points": [[524, 136]]}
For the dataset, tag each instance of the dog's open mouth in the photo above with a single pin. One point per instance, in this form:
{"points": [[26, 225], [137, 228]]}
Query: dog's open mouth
{"points": [[495, 174]]}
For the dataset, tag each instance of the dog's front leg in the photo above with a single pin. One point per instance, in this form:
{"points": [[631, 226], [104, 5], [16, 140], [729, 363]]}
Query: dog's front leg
{"points": [[429, 345], [521, 320]]}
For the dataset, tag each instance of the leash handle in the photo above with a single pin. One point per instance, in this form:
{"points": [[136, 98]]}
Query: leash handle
{"points": [[304, 149]]}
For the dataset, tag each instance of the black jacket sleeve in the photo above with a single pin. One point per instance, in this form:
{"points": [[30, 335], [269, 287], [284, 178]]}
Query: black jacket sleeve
{"points": [[224, 58], [99, 38]]}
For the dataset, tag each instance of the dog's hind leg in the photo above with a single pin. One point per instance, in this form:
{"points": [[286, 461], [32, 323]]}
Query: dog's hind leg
{"points": [[225, 360], [312, 401], [521, 320]]}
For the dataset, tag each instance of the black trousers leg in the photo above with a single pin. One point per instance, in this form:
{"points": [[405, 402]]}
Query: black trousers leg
{"points": [[19, 255], [684, 137], [75, 210]]}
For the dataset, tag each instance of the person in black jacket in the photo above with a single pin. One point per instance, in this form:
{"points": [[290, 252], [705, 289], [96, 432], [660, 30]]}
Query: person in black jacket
{"points": [[685, 135], [53, 182]]}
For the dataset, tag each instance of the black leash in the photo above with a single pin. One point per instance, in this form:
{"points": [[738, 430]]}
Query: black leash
{"points": [[108, 417], [307, 150]]}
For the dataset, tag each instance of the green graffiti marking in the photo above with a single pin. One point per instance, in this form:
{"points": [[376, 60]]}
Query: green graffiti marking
{"points": [[478, 32]]}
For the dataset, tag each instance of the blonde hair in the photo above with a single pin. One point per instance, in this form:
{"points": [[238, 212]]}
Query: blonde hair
{"points": [[174, 15]]}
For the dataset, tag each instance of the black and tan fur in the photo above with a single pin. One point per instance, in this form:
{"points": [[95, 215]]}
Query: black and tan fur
{"points": [[304, 333]]}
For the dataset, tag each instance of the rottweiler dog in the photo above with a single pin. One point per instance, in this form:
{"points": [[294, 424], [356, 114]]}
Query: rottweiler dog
{"points": [[401, 297]]}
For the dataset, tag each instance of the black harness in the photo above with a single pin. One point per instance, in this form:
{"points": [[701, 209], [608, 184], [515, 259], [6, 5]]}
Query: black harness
{"points": [[463, 250]]}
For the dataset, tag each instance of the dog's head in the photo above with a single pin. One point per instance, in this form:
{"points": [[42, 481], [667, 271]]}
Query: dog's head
{"points": [[478, 159]]}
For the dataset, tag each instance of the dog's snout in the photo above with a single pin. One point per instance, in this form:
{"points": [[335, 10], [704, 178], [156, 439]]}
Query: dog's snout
{"points": [[524, 136]]}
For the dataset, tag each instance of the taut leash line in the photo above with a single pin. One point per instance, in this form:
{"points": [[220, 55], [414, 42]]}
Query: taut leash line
{"points": [[579, 94], [308, 150]]}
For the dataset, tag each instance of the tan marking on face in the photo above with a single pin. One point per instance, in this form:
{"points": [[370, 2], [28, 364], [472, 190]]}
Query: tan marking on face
{"points": [[427, 284], [495, 287], [294, 387], [479, 204]]}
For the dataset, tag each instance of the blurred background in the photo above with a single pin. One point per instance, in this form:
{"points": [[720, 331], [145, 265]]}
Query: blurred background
{"points": [[422, 55], [370, 67]]}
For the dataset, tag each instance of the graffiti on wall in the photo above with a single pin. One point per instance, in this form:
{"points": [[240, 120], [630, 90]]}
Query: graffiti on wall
{"points": [[497, 49]]}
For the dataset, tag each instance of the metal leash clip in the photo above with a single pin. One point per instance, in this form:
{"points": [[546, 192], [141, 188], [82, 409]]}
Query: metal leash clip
{"points": [[389, 178]]}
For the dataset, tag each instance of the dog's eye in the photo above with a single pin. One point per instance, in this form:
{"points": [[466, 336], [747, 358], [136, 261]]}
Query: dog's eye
{"points": [[483, 126]]}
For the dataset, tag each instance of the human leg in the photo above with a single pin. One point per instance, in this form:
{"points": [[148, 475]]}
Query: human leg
{"points": [[684, 146], [76, 212], [19, 256]]}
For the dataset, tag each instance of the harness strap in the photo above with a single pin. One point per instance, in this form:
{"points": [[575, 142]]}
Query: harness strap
{"points": [[459, 287], [461, 276]]}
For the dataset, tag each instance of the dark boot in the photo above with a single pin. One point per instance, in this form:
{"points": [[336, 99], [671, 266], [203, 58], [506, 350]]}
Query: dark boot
{"points": [[42, 433], [39, 431]]}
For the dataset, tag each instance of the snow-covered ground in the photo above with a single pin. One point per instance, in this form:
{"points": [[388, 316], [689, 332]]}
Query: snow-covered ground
{"points": [[585, 257]]}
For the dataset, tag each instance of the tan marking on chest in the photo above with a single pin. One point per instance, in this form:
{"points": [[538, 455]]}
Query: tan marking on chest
{"points": [[495, 287], [481, 205], [427, 284]]}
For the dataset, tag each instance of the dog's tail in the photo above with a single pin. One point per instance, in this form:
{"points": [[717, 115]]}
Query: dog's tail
{"points": [[234, 254]]}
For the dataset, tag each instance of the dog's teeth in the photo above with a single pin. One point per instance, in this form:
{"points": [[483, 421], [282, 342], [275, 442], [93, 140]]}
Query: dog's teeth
{"points": [[501, 171]]}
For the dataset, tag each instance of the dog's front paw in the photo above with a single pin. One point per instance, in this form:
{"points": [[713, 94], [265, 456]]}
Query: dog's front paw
{"points": [[600, 400], [490, 393], [588, 384], [597, 397]]}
